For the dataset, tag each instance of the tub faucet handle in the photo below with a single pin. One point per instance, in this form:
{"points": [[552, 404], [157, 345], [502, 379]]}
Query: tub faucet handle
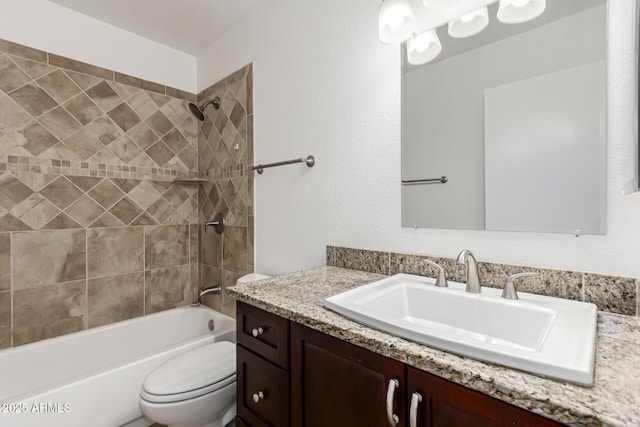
{"points": [[218, 223]]}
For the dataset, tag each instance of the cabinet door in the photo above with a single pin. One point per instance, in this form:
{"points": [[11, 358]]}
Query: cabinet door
{"points": [[445, 404], [263, 391], [337, 384]]}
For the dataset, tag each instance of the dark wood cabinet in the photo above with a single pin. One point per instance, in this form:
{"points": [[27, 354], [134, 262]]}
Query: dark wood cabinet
{"points": [[263, 391], [263, 397], [441, 403], [310, 379], [338, 384]]}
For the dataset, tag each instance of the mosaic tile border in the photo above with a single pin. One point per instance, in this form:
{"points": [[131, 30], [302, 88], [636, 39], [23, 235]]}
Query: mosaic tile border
{"points": [[613, 294], [79, 168], [233, 171], [37, 55]]}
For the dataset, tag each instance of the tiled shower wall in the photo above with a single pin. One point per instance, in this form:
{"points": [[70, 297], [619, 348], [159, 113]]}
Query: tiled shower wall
{"points": [[92, 228], [225, 157]]}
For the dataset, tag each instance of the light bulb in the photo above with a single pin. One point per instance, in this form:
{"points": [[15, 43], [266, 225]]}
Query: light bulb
{"points": [[396, 21], [421, 44], [439, 4], [423, 48], [469, 24], [468, 17], [518, 11]]}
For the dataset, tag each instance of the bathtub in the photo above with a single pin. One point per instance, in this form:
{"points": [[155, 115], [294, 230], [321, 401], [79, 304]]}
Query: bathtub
{"points": [[93, 377]]}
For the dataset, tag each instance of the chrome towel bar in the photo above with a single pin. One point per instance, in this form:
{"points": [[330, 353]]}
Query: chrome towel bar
{"points": [[309, 160], [441, 180]]}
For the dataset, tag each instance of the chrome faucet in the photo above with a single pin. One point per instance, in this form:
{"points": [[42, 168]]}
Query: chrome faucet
{"points": [[206, 291], [467, 259]]}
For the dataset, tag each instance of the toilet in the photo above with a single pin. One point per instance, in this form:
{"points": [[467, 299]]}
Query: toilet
{"points": [[196, 388]]}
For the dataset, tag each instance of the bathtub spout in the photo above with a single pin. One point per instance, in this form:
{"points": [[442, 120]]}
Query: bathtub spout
{"points": [[207, 291]]}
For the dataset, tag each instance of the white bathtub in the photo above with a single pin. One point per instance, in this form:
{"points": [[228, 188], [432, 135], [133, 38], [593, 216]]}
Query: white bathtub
{"points": [[93, 377]]}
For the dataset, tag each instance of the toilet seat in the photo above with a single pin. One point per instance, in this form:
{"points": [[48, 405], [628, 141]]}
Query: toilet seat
{"points": [[192, 374]]}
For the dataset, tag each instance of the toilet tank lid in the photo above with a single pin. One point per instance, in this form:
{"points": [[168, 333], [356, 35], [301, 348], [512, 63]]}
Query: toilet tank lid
{"points": [[252, 277], [193, 369]]}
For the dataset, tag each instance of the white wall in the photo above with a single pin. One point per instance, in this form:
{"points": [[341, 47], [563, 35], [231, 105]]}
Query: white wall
{"points": [[325, 85], [50, 27]]}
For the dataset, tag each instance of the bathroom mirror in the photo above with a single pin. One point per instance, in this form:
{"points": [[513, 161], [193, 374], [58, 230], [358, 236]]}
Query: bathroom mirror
{"points": [[631, 158], [515, 119]]}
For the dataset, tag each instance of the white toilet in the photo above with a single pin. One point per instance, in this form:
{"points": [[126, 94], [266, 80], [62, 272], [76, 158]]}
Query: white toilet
{"points": [[196, 388]]}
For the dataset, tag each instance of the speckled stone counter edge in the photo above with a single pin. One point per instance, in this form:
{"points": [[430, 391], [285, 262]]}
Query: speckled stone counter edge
{"points": [[614, 399], [612, 294]]}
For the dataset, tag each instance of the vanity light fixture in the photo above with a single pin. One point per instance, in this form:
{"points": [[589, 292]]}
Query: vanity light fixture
{"points": [[439, 4], [518, 11], [398, 21], [469, 24], [422, 48]]}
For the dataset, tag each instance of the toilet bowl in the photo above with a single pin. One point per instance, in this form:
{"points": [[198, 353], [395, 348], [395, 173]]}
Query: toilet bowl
{"points": [[194, 389]]}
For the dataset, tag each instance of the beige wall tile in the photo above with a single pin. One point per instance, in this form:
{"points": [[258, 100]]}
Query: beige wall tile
{"points": [[194, 239], [112, 299], [113, 251], [212, 248], [22, 51], [49, 312], [46, 257], [211, 276], [5, 262], [234, 249], [228, 303], [139, 83], [80, 67], [167, 288], [5, 319], [166, 246], [59, 86], [68, 168]]}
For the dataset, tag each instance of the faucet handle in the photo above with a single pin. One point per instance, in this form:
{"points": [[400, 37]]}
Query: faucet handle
{"points": [[509, 291], [441, 281]]}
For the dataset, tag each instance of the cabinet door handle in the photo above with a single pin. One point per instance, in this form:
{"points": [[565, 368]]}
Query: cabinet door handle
{"points": [[416, 398], [257, 331], [257, 397], [391, 393]]}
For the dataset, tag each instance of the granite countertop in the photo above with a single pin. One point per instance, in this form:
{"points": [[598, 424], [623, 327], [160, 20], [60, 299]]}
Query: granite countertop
{"points": [[613, 400]]}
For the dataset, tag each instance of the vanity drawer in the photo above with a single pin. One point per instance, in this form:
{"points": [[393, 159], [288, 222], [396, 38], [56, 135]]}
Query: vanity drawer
{"points": [[263, 391], [264, 333]]}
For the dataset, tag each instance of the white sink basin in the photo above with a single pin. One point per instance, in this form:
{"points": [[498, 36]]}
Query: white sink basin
{"points": [[547, 336]]}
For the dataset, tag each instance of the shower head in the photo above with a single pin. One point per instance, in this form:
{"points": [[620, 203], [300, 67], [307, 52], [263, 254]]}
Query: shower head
{"points": [[198, 111]]}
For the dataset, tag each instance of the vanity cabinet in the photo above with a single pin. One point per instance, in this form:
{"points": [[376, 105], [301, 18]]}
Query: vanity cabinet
{"points": [[262, 368], [436, 402], [335, 383], [323, 381]]}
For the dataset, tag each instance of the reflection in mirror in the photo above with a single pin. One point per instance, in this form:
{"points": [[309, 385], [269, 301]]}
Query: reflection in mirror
{"points": [[631, 158], [515, 118]]}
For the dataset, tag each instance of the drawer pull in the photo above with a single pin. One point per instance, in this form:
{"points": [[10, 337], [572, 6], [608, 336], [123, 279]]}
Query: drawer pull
{"points": [[256, 332], [257, 397], [391, 392], [416, 398]]}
